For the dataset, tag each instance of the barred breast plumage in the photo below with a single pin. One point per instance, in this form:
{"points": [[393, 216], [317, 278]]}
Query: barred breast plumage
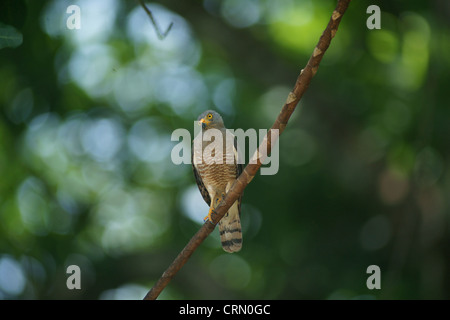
{"points": [[215, 170]]}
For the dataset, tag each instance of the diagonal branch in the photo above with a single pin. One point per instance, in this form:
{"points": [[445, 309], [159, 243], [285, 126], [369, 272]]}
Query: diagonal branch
{"points": [[251, 169], [161, 35]]}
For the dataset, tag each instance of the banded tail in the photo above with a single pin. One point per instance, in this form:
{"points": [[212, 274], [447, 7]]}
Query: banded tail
{"points": [[230, 230]]}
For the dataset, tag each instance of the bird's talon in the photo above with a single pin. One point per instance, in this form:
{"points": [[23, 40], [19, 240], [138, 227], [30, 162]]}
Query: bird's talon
{"points": [[208, 217]]}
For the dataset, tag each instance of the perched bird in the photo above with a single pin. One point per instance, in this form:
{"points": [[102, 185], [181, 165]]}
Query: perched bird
{"points": [[214, 178]]}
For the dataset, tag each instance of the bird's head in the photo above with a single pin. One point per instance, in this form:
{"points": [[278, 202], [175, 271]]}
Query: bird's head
{"points": [[210, 119]]}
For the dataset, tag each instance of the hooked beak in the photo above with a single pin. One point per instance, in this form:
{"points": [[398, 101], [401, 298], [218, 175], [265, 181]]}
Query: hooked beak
{"points": [[202, 123]]}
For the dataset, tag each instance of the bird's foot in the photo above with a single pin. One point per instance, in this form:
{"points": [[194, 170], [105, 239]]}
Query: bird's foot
{"points": [[211, 210], [208, 217]]}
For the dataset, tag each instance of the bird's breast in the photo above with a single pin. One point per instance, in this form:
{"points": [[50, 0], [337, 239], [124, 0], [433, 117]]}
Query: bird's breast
{"points": [[216, 168]]}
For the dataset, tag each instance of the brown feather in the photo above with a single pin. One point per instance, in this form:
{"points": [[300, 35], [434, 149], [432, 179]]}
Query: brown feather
{"points": [[217, 178]]}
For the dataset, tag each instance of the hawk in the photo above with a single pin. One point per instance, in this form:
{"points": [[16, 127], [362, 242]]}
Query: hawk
{"points": [[216, 167]]}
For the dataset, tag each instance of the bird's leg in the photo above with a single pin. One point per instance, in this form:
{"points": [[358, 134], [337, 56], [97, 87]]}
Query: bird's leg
{"points": [[218, 199], [211, 207], [208, 217], [214, 204]]}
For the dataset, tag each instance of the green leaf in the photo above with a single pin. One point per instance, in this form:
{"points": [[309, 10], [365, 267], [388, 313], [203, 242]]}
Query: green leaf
{"points": [[10, 37]]}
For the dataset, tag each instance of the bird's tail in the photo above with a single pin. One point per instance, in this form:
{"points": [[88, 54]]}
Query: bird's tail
{"points": [[230, 230]]}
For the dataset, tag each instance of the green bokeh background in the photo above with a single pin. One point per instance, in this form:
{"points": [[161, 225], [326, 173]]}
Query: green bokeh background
{"points": [[86, 118]]}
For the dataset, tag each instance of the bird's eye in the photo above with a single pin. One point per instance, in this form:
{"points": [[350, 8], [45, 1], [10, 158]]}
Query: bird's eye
{"points": [[209, 116]]}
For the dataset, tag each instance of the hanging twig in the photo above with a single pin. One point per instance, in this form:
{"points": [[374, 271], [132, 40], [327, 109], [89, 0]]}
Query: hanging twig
{"points": [[161, 35], [251, 169]]}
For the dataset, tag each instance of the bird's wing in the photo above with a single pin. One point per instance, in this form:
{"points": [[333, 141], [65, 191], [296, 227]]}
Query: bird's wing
{"points": [[200, 185], [237, 156], [239, 169]]}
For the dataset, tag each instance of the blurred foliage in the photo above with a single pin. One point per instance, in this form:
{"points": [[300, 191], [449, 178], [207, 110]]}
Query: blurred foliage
{"points": [[86, 118]]}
